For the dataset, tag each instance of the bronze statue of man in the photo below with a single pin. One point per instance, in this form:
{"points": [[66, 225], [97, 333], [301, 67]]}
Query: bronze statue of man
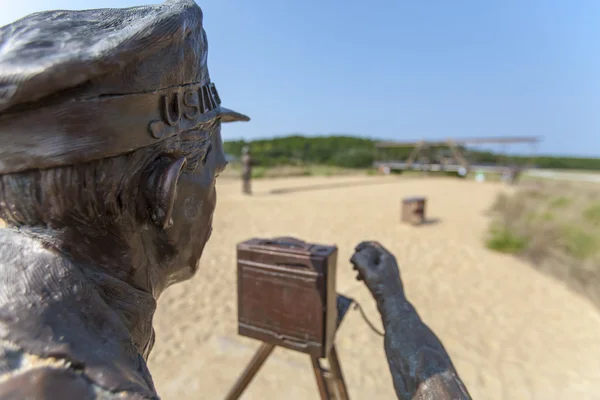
{"points": [[110, 131], [111, 142], [246, 170]]}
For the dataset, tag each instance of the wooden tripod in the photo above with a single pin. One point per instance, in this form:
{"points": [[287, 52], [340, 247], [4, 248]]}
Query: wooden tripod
{"points": [[330, 381]]}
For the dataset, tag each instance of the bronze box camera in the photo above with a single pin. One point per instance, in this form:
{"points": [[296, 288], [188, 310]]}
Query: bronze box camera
{"points": [[286, 293]]}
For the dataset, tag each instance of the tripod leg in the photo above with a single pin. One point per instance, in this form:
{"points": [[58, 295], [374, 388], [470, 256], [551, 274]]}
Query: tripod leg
{"points": [[244, 380], [336, 370], [320, 376]]}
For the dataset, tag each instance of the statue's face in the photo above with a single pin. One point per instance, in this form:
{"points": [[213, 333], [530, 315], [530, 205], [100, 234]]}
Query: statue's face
{"points": [[193, 210]]}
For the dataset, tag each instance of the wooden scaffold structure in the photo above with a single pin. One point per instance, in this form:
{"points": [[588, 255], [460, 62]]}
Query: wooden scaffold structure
{"points": [[421, 157]]}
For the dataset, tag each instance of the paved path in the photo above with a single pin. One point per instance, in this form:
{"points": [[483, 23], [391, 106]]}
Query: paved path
{"points": [[513, 332], [565, 175]]}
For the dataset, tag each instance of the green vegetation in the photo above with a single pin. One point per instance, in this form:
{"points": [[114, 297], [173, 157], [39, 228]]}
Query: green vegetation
{"points": [[502, 239], [560, 202], [281, 171], [592, 214], [555, 225], [353, 152], [339, 151]]}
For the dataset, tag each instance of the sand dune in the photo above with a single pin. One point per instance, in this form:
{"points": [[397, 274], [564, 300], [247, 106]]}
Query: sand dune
{"points": [[513, 333]]}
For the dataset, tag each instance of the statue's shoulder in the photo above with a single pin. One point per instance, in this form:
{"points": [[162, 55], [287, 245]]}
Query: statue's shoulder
{"points": [[16, 247], [31, 262], [46, 301], [48, 383]]}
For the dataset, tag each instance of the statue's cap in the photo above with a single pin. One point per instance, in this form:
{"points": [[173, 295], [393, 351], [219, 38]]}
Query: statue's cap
{"points": [[76, 86]]}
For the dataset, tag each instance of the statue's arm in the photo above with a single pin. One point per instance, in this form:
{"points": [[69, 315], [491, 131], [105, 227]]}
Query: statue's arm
{"points": [[419, 364]]}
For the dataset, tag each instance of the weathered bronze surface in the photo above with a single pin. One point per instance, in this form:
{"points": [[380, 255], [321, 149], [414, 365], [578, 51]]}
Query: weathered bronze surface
{"points": [[111, 143], [286, 293], [420, 366]]}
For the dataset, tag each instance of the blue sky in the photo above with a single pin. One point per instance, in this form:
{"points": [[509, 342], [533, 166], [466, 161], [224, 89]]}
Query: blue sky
{"points": [[401, 69]]}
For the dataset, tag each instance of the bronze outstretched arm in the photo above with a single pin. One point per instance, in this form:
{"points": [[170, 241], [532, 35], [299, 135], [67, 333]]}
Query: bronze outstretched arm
{"points": [[420, 366]]}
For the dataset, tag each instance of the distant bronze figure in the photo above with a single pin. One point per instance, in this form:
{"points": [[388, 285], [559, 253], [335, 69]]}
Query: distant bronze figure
{"points": [[246, 170], [420, 366], [110, 131]]}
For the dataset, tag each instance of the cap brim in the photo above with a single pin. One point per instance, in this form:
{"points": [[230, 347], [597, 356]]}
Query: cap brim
{"points": [[228, 115]]}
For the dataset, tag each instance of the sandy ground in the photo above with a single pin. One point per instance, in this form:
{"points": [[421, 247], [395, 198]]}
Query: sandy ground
{"points": [[512, 332]]}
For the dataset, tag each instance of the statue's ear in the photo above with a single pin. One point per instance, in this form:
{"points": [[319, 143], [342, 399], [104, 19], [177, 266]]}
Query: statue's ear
{"points": [[161, 190]]}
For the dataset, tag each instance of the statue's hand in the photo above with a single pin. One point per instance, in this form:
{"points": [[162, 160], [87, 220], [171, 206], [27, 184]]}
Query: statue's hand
{"points": [[377, 267]]}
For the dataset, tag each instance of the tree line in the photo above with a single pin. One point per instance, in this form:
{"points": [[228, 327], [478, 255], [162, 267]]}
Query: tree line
{"points": [[356, 152]]}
